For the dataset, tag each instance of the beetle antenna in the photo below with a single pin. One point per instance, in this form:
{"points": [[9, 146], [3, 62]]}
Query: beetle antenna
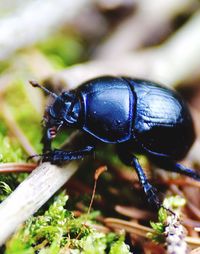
{"points": [[36, 84]]}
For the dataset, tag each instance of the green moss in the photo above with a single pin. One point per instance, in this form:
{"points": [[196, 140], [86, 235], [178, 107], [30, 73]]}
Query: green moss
{"points": [[119, 247], [17, 246], [174, 202], [11, 150], [8, 182], [5, 190], [57, 230]]}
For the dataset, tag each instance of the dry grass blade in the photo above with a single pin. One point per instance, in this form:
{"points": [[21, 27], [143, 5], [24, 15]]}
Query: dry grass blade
{"points": [[160, 64], [33, 192], [144, 23], [134, 212], [128, 226], [135, 228], [98, 172], [195, 251], [30, 195], [23, 26], [17, 132], [17, 167], [193, 241], [183, 181]]}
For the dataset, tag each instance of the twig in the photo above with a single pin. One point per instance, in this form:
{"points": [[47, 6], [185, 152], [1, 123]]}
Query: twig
{"points": [[142, 26], [195, 211], [135, 228], [34, 21], [129, 226], [195, 251], [17, 167], [15, 129], [98, 172], [170, 63], [33, 192], [182, 182], [134, 212]]}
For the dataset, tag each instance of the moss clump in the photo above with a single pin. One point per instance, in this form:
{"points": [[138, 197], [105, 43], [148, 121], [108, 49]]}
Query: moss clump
{"points": [[11, 150], [58, 231]]}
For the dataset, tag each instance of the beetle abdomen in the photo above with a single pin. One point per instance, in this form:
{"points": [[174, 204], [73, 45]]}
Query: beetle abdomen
{"points": [[163, 124], [108, 104]]}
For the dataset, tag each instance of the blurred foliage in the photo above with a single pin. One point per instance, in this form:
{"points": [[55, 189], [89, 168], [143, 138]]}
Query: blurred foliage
{"points": [[63, 50], [24, 113], [4, 65]]}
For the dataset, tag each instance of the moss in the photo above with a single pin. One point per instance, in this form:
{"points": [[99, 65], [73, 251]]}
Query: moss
{"points": [[119, 247], [8, 182], [57, 231], [11, 150]]}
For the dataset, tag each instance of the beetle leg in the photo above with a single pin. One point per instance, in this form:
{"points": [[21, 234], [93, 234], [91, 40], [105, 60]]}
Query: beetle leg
{"points": [[46, 140], [57, 156], [178, 168], [149, 190]]}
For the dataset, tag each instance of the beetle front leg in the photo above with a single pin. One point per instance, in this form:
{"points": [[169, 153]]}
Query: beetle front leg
{"points": [[57, 156], [48, 134], [149, 190]]}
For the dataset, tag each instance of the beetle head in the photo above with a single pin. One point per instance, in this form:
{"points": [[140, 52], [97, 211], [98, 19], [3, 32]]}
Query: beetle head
{"points": [[64, 110]]}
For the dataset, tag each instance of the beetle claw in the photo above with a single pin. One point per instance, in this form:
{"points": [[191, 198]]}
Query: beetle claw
{"points": [[33, 156], [44, 157], [50, 156], [153, 198]]}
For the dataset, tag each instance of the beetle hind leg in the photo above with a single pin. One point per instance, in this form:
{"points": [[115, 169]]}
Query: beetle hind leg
{"points": [[179, 168], [151, 192]]}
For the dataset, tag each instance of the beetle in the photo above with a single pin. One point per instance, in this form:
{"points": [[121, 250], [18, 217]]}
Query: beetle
{"points": [[138, 116]]}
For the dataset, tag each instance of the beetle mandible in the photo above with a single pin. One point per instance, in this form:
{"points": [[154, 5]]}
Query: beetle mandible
{"points": [[138, 116]]}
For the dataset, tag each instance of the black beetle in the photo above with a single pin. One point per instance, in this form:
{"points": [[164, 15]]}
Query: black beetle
{"points": [[139, 116]]}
